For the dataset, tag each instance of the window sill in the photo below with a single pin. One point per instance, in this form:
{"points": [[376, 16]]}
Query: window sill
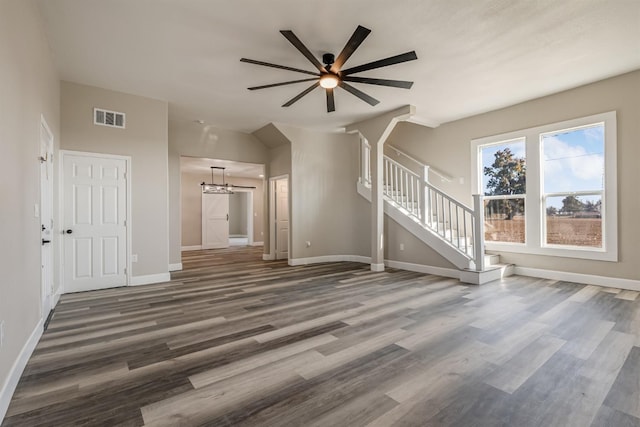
{"points": [[572, 252]]}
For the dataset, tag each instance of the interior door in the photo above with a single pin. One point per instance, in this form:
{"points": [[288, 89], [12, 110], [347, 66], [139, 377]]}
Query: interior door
{"points": [[215, 221], [282, 218], [95, 236], [46, 217]]}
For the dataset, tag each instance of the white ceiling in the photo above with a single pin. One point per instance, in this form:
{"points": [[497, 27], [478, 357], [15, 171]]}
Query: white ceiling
{"points": [[473, 55], [232, 169]]}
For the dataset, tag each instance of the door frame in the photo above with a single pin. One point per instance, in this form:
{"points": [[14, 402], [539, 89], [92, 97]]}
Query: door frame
{"points": [[128, 223], [249, 211], [50, 299], [272, 216]]}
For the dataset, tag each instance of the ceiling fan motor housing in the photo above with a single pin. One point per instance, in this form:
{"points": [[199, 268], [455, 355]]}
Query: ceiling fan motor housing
{"points": [[328, 59]]}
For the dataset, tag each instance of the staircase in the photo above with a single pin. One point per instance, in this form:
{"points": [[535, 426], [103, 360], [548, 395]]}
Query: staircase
{"points": [[450, 227]]}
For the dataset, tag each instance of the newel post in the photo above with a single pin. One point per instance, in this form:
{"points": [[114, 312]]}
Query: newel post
{"points": [[424, 178], [478, 233]]}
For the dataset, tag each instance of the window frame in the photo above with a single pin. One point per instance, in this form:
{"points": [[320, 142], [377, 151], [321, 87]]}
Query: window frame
{"points": [[535, 214]]}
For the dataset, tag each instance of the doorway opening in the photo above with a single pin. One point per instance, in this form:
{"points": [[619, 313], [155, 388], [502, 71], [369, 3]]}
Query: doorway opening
{"points": [[221, 220]]}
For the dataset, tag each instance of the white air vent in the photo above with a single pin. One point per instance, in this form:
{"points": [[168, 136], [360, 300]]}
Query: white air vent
{"points": [[108, 118]]}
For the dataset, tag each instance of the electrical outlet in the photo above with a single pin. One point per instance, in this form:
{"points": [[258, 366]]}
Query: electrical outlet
{"points": [[1, 333], [134, 258], [402, 246]]}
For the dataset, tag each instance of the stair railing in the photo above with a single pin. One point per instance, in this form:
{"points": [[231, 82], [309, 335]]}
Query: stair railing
{"points": [[412, 193]]}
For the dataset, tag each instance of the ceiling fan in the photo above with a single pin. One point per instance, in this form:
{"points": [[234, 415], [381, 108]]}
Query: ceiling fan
{"points": [[224, 188], [331, 74]]}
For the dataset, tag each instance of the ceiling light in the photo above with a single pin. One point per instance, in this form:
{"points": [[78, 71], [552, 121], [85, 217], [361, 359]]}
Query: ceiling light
{"points": [[260, 176], [224, 188], [329, 81]]}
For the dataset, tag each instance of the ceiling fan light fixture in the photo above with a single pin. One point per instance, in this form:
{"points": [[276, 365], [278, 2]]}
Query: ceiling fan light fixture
{"points": [[329, 81]]}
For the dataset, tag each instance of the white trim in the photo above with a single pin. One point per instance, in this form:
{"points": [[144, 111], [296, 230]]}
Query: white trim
{"points": [[56, 298], [10, 383], [330, 258], [175, 267], [257, 244], [378, 268], [191, 248], [421, 268], [268, 257], [587, 279], [129, 221], [149, 279]]}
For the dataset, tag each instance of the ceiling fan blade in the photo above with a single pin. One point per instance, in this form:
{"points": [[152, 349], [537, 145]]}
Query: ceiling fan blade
{"points": [[366, 98], [403, 57], [281, 84], [380, 82], [356, 39], [331, 104], [282, 67], [301, 94], [303, 49]]}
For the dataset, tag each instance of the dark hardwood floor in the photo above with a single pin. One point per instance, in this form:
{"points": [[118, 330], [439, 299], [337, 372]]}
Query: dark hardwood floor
{"points": [[234, 340]]}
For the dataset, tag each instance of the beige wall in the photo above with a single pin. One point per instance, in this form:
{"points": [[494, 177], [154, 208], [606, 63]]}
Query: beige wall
{"points": [[29, 87], [191, 201], [195, 140], [414, 252], [326, 209], [448, 148], [145, 140]]}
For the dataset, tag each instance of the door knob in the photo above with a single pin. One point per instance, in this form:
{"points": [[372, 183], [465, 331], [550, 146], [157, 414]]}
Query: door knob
{"points": [[45, 241], [69, 231]]}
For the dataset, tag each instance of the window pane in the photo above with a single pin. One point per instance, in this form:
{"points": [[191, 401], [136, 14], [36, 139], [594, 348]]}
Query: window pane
{"points": [[504, 220], [574, 160], [574, 221], [503, 168]]}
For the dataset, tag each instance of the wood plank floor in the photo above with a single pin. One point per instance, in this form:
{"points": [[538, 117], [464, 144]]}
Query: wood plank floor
{"points": [[234, 340]]}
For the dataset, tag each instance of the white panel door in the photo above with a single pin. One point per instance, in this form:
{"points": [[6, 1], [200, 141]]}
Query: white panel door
{"points": [[46, 217], [215, 221], [282, 219], [95, 236]]}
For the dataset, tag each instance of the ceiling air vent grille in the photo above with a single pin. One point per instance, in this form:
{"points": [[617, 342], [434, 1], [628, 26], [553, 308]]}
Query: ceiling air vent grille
{"points": [[108, 118]]}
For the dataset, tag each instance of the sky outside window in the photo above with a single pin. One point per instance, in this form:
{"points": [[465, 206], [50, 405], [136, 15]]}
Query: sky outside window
{"points": [[574, 160]]}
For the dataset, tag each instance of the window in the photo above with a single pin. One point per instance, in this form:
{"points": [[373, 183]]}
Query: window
{"points": [[550, 190], [573, 186], [504, 188]]}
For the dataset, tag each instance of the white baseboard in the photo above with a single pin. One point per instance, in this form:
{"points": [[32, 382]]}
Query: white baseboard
{"points": [[587, 279], [268, 257], [257, 244], [191, 248], [149, 279], [175, 267], [330, 258], [9, 386], [56, 298], [421, 268]]}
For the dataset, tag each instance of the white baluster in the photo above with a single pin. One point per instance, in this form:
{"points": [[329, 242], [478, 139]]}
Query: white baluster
{"points": [[478, 236]]}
